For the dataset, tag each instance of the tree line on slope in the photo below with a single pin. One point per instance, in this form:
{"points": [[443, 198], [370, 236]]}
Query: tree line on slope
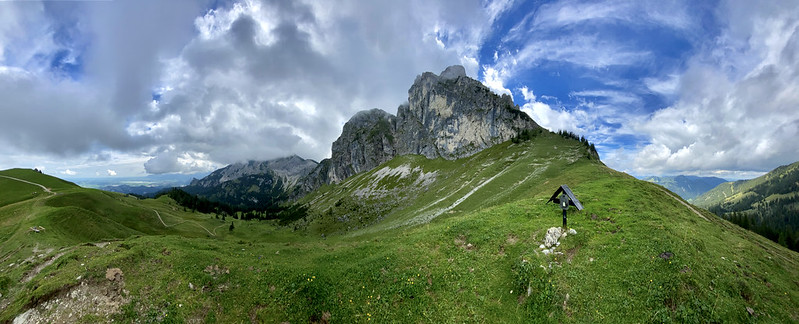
{"points": [[284, 213], [777, 220], [770, 209]]}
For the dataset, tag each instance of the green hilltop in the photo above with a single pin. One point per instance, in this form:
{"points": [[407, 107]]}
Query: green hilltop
{"points": [[413, 240]]}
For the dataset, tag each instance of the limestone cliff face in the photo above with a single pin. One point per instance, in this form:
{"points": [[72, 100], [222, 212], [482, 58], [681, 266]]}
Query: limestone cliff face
{"points": [[448, 115], [366, 141], [453, 116]]}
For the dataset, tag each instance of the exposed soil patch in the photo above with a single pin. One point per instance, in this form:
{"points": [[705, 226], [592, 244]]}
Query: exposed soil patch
{"points": [[460, 241], [90, 301], [512, 239], [41, 266], [570, 253]]}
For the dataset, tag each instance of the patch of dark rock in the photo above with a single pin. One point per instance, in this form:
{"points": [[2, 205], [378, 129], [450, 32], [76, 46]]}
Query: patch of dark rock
{"points": [[666, 255]]}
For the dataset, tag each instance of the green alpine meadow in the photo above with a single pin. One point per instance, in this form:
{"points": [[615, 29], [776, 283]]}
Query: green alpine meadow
{"points": [[412, 240], [361, 161]]}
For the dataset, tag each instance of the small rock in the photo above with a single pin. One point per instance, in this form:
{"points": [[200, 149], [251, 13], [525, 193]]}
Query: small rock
{"points": [[546, 251], [750, 310], [542, 246], [666, 255], [553, 233], [572, 231], [191, 286], [114, 274]]}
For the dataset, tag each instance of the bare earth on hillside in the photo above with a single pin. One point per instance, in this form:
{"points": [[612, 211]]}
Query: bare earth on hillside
{"points": [[99, 300]]}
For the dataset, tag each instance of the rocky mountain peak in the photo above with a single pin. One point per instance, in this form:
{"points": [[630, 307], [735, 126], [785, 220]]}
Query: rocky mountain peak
{"points": [[453, 72], [454, 116], [290, 169], [366, 141], [448, 115]]}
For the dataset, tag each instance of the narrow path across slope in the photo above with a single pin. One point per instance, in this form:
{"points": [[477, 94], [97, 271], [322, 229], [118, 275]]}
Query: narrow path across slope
{"points": [[215, 228], [684, 204], [28, 182], [185, 221], [36, 270]]}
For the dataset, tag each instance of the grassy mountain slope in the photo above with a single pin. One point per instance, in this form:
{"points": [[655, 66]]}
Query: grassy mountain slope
{"points": [[768, 204], [780, 181], [255, 191], [411, 190], [688, 187], [639, 255]]}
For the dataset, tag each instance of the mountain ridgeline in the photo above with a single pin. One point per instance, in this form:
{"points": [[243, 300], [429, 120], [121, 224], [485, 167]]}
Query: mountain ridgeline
{"points": [[688, 187], [255, 184], [447, 116], [768, 205]]}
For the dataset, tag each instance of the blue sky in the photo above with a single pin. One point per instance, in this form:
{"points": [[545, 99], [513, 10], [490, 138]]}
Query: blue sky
{"points": [[129, 88]]}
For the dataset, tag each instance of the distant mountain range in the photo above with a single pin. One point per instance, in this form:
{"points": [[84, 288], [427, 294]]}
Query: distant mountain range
{"points": [[146, 185], [768, 205], [255, 184], [688, 187]]}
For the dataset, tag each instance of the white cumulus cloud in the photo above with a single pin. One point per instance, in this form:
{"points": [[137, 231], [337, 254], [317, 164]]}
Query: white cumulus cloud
{"points": [[738, 119]]}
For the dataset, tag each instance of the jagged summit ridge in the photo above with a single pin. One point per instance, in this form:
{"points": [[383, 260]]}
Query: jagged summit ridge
{"points": [[458, 115], [448, 115], [291, 169]]}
